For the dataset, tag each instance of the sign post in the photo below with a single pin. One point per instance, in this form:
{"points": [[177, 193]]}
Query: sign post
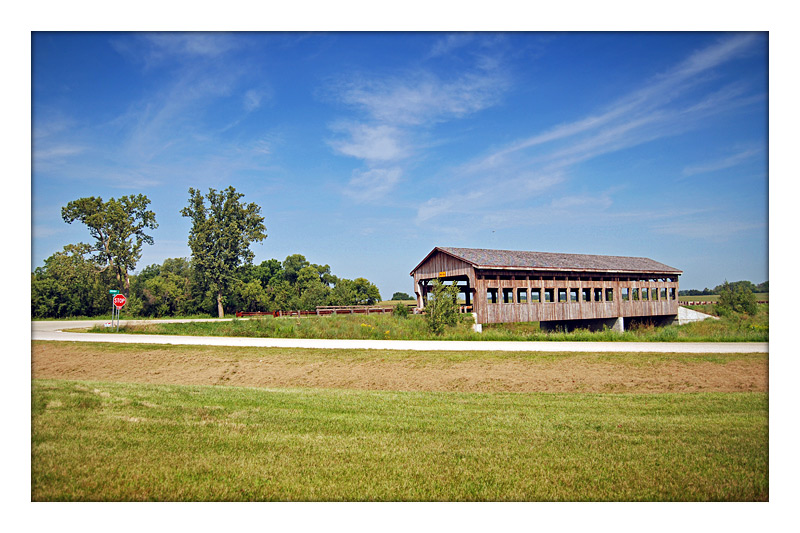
{"points": [[118, 300]]}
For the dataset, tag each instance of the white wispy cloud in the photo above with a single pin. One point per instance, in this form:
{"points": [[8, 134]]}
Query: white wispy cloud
{"points": [[368, 186], [201, 70], [262, 146], [645, 105], [52, 124], [153, 49], [164, 135], [450, 42], [394, 109], [709, 229], [422, 97], [372, 143], [171, 118], [461, 203], [602, 201], [57, 151], [586, 211], [497, 197], [723, 163], [40, 231], [667, 104], [52, 142], [252, 99], [193, 43]]}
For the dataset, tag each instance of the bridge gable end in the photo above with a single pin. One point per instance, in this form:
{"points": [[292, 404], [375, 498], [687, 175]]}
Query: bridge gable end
{"points": [[439, 264]]}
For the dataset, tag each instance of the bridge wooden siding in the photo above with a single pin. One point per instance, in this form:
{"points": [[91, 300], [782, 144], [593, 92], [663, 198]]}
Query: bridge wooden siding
{"points": [[529, 271], [530, 311]]}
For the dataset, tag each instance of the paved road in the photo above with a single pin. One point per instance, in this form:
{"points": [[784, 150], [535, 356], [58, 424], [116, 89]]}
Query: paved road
{"points": [[52, 331]]}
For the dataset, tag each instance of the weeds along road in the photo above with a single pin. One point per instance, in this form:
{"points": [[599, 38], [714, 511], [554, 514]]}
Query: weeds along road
{"points": [[53, 331]]}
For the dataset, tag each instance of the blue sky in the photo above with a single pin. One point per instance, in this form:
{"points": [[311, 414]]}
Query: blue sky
{"points": [[366, 150]]}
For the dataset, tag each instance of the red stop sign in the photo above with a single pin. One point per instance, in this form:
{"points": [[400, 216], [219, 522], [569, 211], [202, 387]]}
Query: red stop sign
{"points": [[119, 300]]}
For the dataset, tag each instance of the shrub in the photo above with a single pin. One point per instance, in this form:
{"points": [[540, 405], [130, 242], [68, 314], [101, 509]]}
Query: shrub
{"points": [[401, 311], [735, 299], [442, 307]]}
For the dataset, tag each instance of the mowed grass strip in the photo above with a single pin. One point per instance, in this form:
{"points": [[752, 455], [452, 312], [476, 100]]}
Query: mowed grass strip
{"points": [[115, 441]]}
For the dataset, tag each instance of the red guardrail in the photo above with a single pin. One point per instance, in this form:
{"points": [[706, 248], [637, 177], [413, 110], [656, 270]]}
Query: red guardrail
{"points": [[240, 314], [320, 311]]}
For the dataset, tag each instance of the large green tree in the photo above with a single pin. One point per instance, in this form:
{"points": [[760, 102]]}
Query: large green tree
{"points": [[70, 285], [292, 266], [220, 238], [735, 286], [366, 292], [118, 227], [166, 289], [267, 273]]}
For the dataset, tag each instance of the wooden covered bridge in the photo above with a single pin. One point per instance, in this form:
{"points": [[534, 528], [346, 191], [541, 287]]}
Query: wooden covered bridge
{"points": [[556, 290]]}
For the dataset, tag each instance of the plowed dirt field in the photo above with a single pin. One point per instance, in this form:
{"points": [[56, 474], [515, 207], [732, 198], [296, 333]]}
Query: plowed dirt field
{"points": [[400, 370]]}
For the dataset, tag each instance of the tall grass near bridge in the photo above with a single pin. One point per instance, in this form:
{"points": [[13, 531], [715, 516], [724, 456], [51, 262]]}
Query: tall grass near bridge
{"points": [[735, 328]]}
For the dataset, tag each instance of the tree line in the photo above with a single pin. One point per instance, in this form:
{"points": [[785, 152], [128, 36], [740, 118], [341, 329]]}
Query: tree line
{"points": [[735, 285], [219, 276]]}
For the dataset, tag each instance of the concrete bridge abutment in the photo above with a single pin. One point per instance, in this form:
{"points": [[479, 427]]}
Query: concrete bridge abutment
{"points": [[592, 324]]}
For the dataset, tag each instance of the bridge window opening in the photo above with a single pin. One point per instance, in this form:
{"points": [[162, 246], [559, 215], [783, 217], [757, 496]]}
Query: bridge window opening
{"points": [[536, 295], [491, 296], [634, 294], [508, 296], [626, 294], [598, 295], [522, 296], [672, 293], [609, 295], [562, 295], [549, 295], [573, 295], [645, 294], [586, 295], [663, 293]]}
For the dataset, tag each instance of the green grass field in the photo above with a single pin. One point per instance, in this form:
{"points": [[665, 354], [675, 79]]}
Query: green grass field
{"points": [[118, 441]]}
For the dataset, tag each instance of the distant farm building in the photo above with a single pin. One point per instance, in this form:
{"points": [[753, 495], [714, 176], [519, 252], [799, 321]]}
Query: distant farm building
{"points": [[557, 290]]}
